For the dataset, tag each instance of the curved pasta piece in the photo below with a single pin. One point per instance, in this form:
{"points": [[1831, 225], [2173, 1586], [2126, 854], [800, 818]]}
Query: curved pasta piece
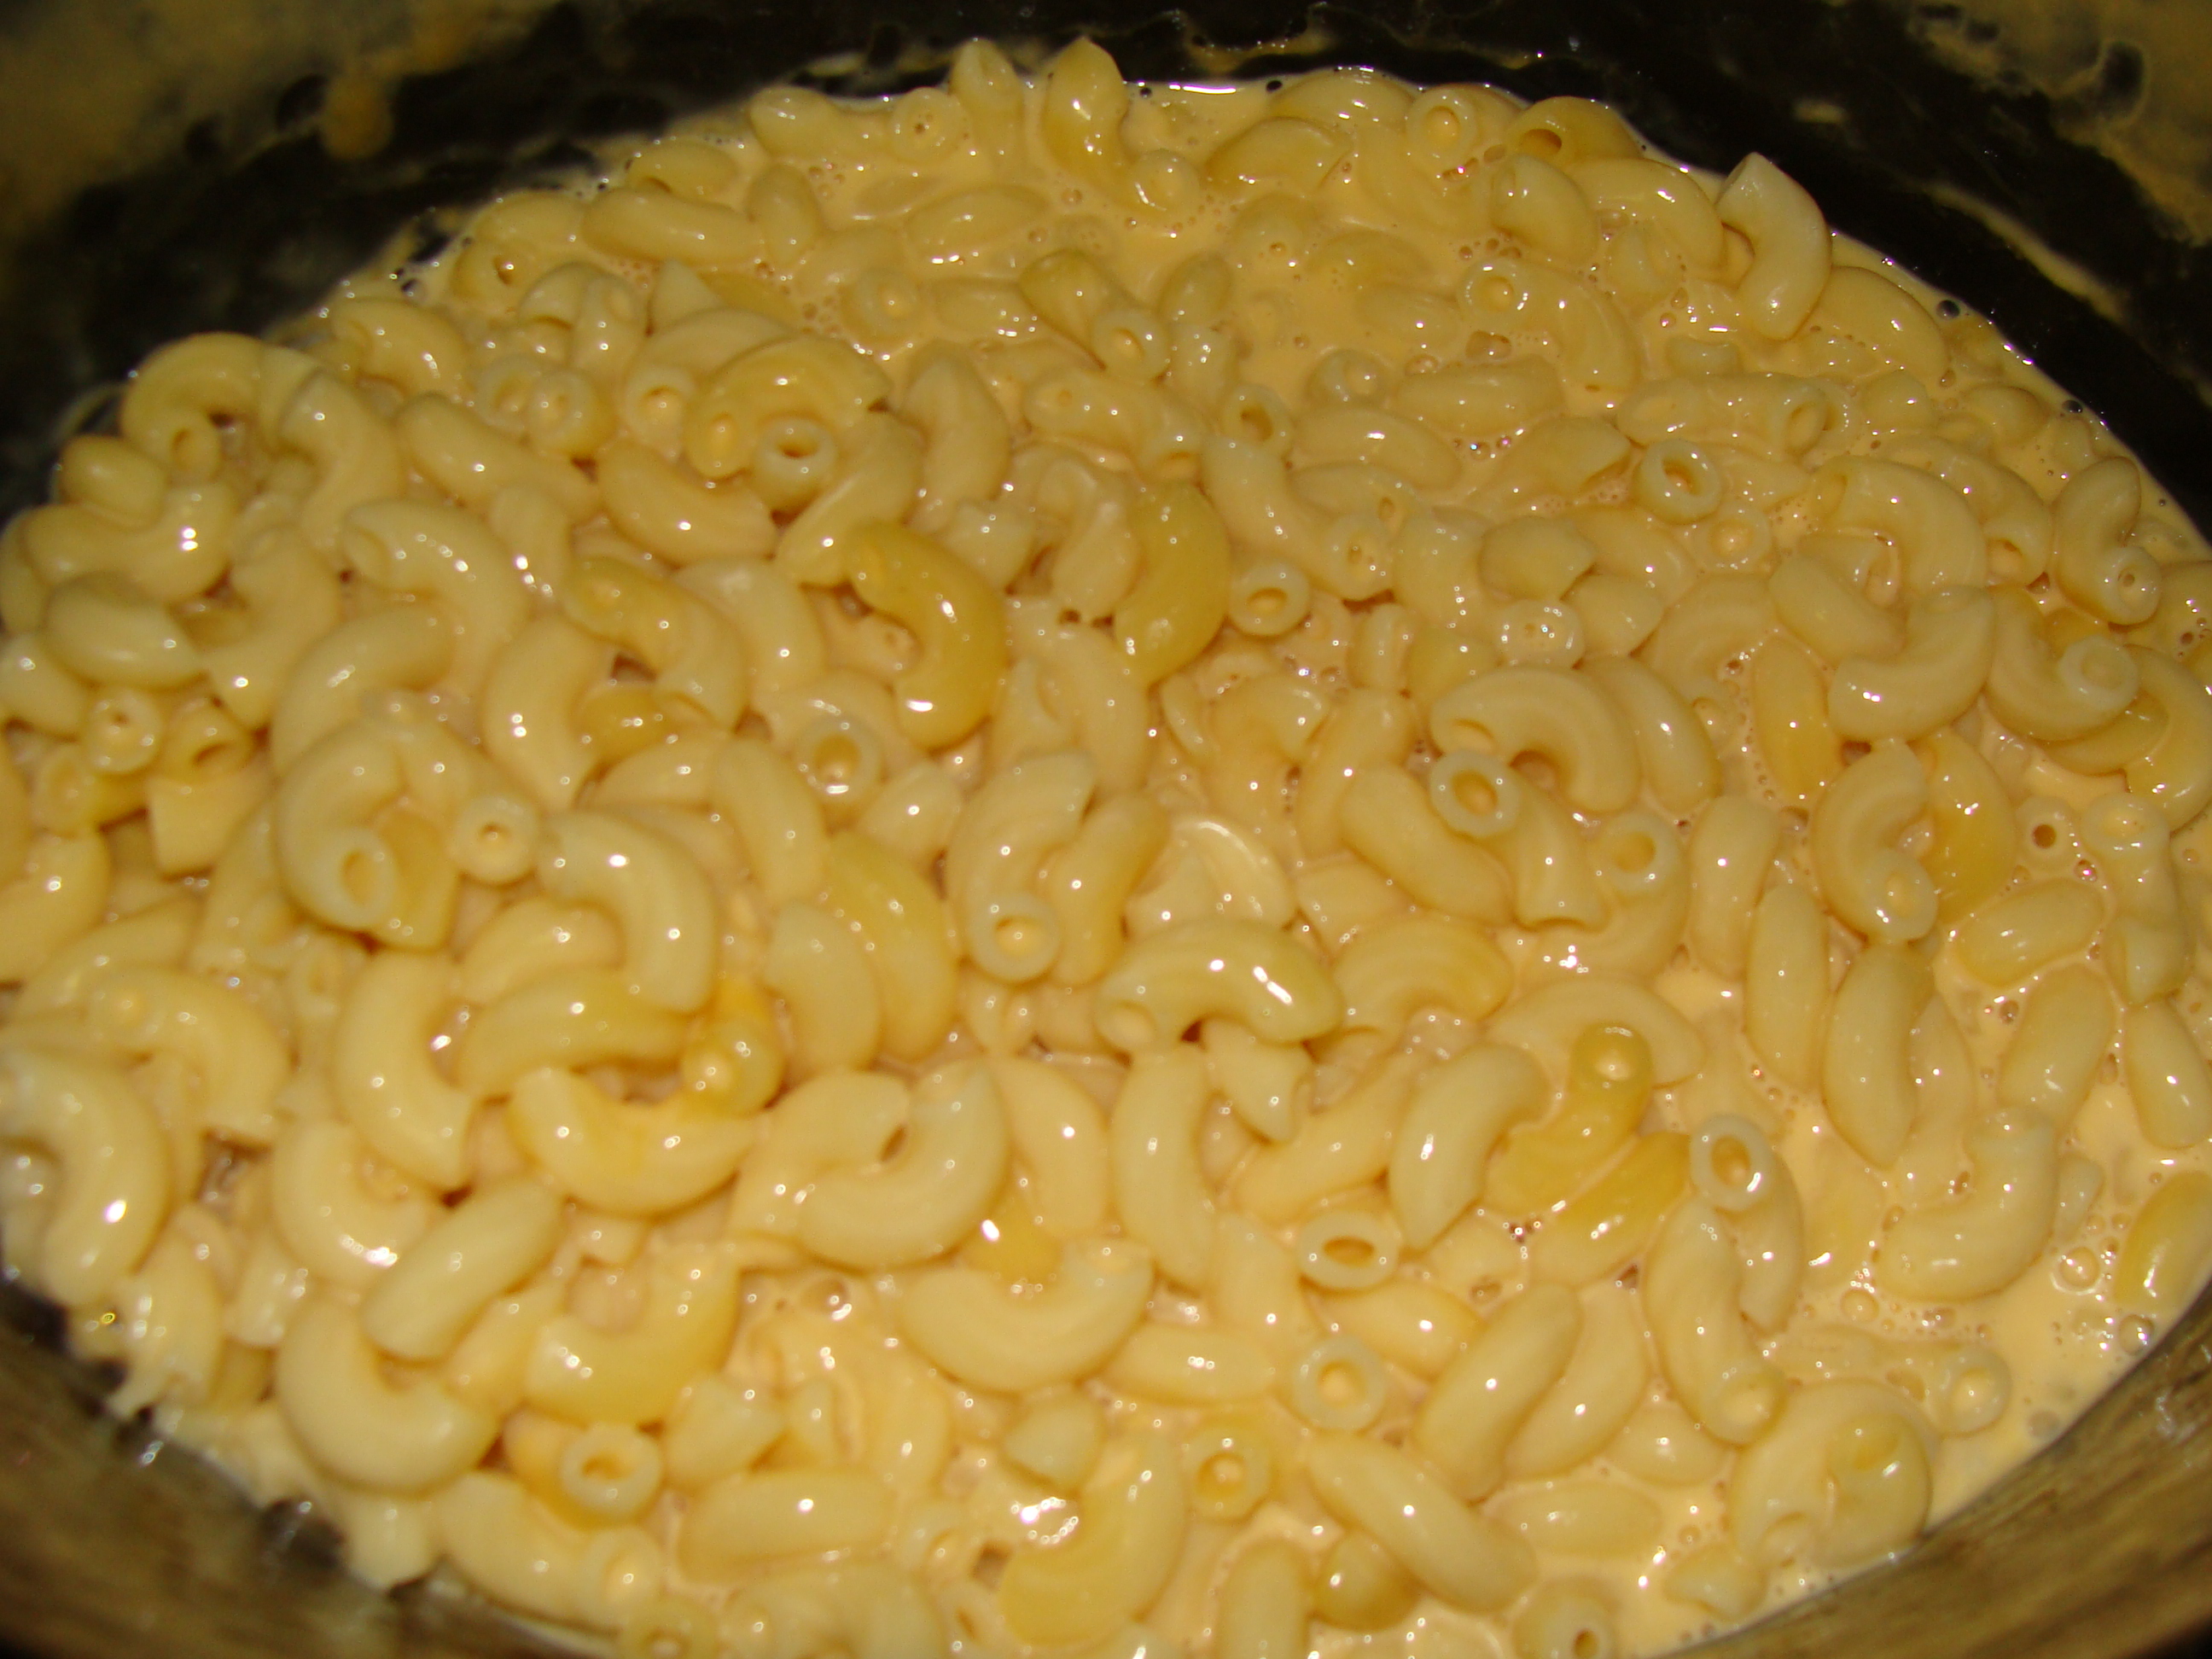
{"points": [[654, 890], [1871, 882], [1344, 1145], [56, 899], [406, 647], [1950, 641], [444, 555], [1387, 819], [697, 661], [329, 1384], [965, 1323], [114, 1166], [623, 1159], [756, 1517], [868, 475], [585, 1373], [1245, 970], [920, 1203], [804, 374], [1939, 541], [571, 1018], [1790, 246], [2097, 566], [1589, 338], [1692, 1278], [1181, 597], [1485, 1395], [872, 1609], [1843, 1478], [1677, 754], [2176, 770], [1458, 1554], [171, 406], [1389, 973], [497, 1236], [1460, 1110], [1550, 713], [1548, 1021], [381, 1072], [1976, 840], [529, 713], [1608, 1087], [952, 611], [967, 439], [2054, 696], [1866, 1072], [1598, 1391], [1125, 1547], [1979, 1243], [325, 1214], [1160, 1193], [241, 1061], [1867, 308], [1603, 1228], [908, 936]]}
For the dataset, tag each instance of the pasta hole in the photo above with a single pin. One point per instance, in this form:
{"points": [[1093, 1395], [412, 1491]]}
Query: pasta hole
{"points": [[1587, 1645], [1789, 1538], [1541, 143], [2044, 835], [1441, 128], [1732, 1163], [1476, 792], [1017, 936], [1868, 1448], [1497, 293], [1341, 1384], [606, 1465], [360, 874], [1355, 1253], [1539, 770], [1618, 1058], [1806, 423], [990, 1565], [837, 760], [1223, 1476]]}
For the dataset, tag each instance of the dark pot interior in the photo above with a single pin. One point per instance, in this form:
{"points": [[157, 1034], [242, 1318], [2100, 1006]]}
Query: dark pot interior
{"points": [[234, 213]]}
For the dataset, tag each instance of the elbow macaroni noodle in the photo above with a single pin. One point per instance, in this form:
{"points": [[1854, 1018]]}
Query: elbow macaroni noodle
{"points": [[1032, 871]]}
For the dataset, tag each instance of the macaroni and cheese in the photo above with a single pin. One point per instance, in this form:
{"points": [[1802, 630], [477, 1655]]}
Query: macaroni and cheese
{"points": [[1053, 868]]}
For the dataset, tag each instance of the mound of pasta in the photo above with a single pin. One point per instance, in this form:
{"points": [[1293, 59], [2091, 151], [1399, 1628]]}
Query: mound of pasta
{"points": [[1055, 869]]}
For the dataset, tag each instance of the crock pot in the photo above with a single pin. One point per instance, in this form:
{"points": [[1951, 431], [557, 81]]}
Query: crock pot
{"points": [[169, 166]]}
